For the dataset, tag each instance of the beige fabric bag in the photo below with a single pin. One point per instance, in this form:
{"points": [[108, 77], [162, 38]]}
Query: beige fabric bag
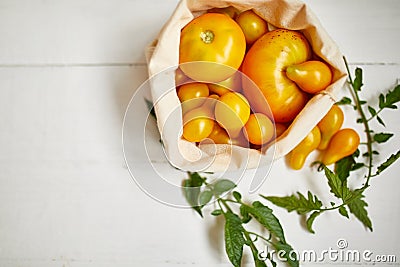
{"points": [[163, 58]]}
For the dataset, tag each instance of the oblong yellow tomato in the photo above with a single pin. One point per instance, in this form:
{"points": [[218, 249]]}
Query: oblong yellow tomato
{"points": [[232, 112], [265, 64], [300, 153], [311, 76], [329, 125], [259, 129], [214, 41], [342, 144], [253, 26]]}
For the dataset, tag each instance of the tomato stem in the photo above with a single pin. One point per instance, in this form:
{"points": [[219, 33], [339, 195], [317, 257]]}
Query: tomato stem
{"points": [[207, 36]]}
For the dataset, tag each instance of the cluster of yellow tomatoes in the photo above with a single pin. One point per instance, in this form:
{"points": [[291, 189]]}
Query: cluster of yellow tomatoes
{"points": [[219, 105]]}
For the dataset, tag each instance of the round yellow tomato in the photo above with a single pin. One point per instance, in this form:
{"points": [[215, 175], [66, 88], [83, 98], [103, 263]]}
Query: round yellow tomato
{"points": [[197, 124], [265, 64], [259, 129], [253, 26], [232, 112], [213, 41], [192, 95]]}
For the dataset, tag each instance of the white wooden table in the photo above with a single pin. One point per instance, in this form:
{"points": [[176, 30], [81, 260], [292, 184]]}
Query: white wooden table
{"points": [[67, 72]]}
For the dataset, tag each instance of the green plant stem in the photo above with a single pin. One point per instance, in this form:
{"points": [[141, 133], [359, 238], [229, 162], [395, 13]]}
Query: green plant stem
{"points": [[366, 125]]}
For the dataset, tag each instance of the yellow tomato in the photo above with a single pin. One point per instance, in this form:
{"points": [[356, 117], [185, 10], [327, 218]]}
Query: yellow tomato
{"points": [[329, 125], [300, 153], [197, 124], [342, 144], [265, 64], [279, 129], [259, 129], [192, 95], [232, 112], [214, 41], [253, 26], [311, 76]]}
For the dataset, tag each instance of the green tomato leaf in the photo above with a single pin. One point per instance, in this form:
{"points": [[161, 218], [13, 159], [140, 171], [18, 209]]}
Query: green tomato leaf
{"points": [[382, 137], [372, 111], [237, 196], [344, 166], [298, 202], [392, 98], [205, 197], [216, 212], [265, 217], [344, 101], [357, 207], [392, 159], [245, 214], [281, 247], [223, 185], [310, 221], [343, 211], [380, 121], [234, 240], [191, 190], [339, 188]]}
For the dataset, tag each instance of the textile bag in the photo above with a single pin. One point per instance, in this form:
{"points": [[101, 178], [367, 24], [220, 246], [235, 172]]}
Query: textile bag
{"points": [[163, 59]]}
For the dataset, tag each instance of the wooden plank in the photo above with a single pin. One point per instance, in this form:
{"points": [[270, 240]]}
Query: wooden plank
{"points": [[104, 32], [66, 197]]}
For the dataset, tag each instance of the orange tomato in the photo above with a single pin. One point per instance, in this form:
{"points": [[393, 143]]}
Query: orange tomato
{"points": [[253, 26], [214, 41], [265, 64], [259, 129], [311, 76], [232, 112], [342, 144]]}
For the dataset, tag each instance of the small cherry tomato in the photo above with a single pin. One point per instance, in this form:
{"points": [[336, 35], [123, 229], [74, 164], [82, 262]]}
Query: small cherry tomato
{"points": [[342, 144], [300, 153], [192, 95], [253, 26], [329, 125], [259, 129], [208, 39], [232, 112], [197, 124], [311, 76]]}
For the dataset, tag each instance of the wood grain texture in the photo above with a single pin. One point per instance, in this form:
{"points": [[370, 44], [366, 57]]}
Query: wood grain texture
{"points": [[67, 72]]}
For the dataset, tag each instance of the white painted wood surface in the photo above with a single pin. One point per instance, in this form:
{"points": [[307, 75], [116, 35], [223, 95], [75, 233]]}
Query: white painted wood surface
{"points": [[67, 72]]}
